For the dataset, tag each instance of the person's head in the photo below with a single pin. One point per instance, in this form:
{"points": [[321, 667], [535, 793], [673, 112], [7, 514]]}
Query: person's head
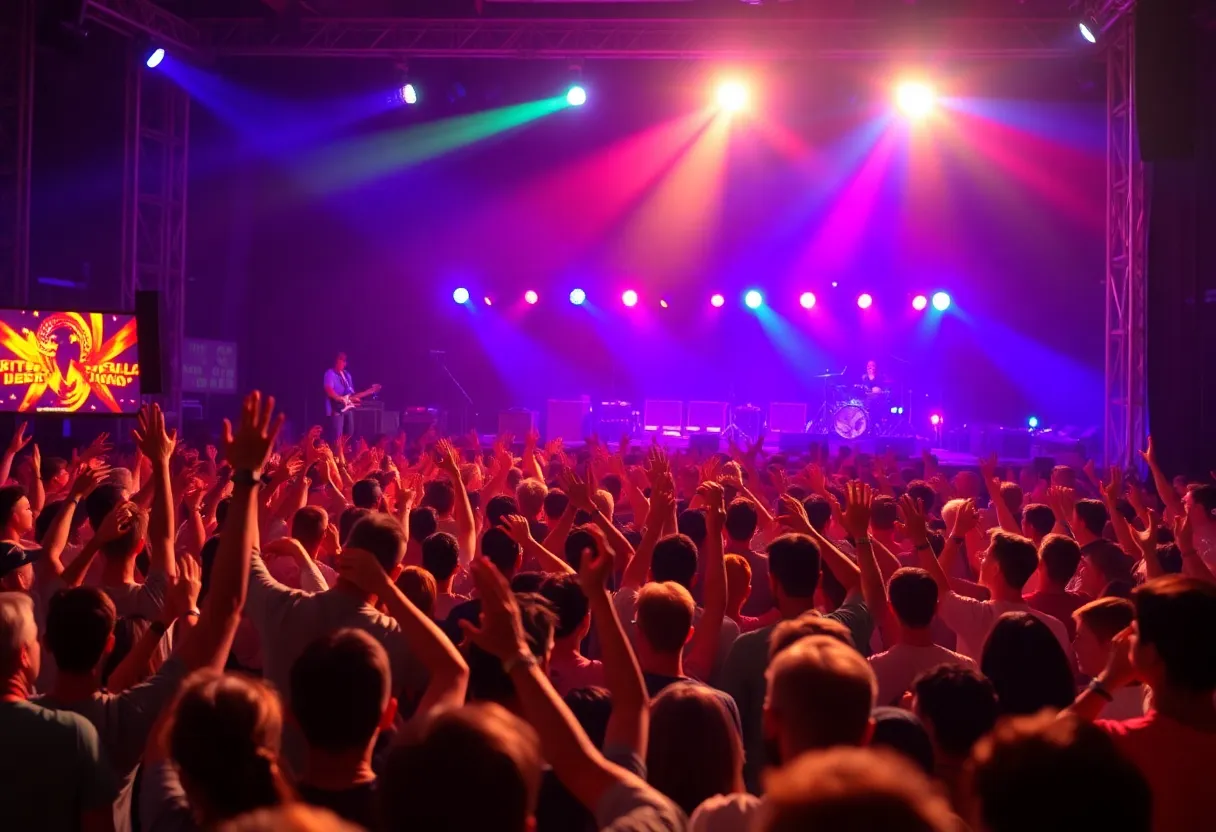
{"points": [[738, 581], [664, 617], [902, 731], [1063, 475], [1011, 561], [871, 368], [741, 521], [80, 629], [340, 362], [440, 495], [1098, 622], [1027, 666], [685, 716], [128, 544], [1060, 555], [570, 605], [16, 514], [913, 594], [1200, 504], [820, 694], [605, 502], [967, 485], [793, 567], [614, 485], [556, 502], [924, 495], [1090, 515], [482, 750], [691, 524], [104, 499], [308, 525], [347, 520], [853, 788], [291, 817], [503, 552], [499, 507], [818, 511], [341, 695], [488, 682], [423, 523], [382, 535], [530, 496], [16, 567], [884, 514], [20, 654], [1037, 521], [440, 555], [368, 494], [1012, 496], [957, 705], [791, 631], [1030, 763], [1172, 643], [419, 586], [55, 473], [674, 559], [223, 736], [581, 539]]}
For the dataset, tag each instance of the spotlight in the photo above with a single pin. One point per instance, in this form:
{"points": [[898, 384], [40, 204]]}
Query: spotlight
{"points": [[577, 296], [1089, 29], [461, 295], [914, 98], [531, 297], [835, 285], [663, 303], [941, 301], [154, 58], [576, 96], [629, 298], [753, 299], [807, 300], [717, 301], [486, 300], [409, 94], [935, 419], [919, 303], [732, 96], [865, 301], [1033, 422]]}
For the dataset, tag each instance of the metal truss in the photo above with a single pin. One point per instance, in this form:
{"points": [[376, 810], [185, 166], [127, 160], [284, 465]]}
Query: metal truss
{"points": [[155, 175], [16, 140], [1125, 421], [129, 17]]}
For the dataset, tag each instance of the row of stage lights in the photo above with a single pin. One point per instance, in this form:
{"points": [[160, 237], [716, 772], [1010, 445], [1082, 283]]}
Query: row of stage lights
{"points": [[752, 299]]}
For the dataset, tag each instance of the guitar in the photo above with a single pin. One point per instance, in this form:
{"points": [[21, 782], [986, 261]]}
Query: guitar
{"points": [[351, 401]]}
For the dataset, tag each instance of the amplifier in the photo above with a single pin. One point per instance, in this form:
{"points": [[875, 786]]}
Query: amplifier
{"points": [[787, 417], [706, 417], [566, 418], [518, 422], [368, 421], [416, 421], [613, 419], [663, 415]]}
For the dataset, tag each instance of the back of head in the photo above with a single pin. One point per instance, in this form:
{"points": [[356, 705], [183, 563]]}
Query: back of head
{"points": [[419, 586], [741, 520], [957, 705], [500, 507], [614, 485], [293, 817], [79, 624], [1064, 475], [664, 616], [340, 689], [913, 594], [440, 495], [104, 499], [1027, 666], [580, 539], [1106, 617], [810, 623], [129, 542], [1093, 516], [1060, 555], [569, 602], [423, 523], [478, 750], [738, 578], [224, 736], [367, 493], [488, 682], [440, 555], [530, 496], [884, 513], [821, 692], [691, 524], [1012, 496], [903, 732], [308, 526], [853, 788], [382, 535], [818, 511], [555, 503], [685, 716], [502, 551], [347, 521], [1176, 617], [793, 563], [1040, 518], [1016, 557], [18, 628], [923, 494], [1033, 762], [674, 559]]}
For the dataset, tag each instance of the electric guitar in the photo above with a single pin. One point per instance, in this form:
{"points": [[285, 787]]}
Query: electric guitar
{"points": [[350, 402]]}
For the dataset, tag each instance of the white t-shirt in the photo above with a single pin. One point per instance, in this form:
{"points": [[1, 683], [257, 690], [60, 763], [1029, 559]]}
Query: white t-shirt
{"points": [[726, 813], [897, 668], [973, 620]]}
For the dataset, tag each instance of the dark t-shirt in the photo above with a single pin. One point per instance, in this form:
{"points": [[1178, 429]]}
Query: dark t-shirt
{"points": [[357, 804], [655, 683]]}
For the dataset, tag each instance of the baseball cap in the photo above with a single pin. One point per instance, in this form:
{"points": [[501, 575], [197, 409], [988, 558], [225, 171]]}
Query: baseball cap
{"points": [[14, 556]]}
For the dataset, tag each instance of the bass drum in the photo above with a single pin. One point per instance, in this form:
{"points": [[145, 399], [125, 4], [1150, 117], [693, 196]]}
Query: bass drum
{"points": [[850, 420]]}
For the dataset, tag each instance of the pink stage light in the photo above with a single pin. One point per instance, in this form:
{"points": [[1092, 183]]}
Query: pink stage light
{"points": [[865, 301], [919, 303], [717, 301], [807, 300], [531, 297], [935, 419], [629, 297]]}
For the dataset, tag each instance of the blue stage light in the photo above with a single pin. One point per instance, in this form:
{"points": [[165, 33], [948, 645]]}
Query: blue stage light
{"points": [[577, 296], [576, 96], [461, 295], [155, 57], [941, 301], [1033, 421], [753, 299]]}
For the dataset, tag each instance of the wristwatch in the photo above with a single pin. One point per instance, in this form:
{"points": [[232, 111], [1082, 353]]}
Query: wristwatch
{"points": [[246, 477], [521, 659]]}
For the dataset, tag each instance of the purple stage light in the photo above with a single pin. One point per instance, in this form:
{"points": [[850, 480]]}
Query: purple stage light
{"points": [[663, 303], [919, 303], [629, 298], [865, 301], [807, 300], [531, 297], [487, 301], [717, 301], [935, 419]]}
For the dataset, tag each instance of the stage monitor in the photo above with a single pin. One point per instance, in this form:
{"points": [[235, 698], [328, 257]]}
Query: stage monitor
{"points": [[68, 362]]}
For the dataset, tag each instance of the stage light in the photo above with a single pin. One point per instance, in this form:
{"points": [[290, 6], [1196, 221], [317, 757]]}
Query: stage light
{"points": [[732, 96], [663, 304], [1088, 30], [717, 301], [629, 298], [461, 295], [576, 96], [919, 303], [154, 58], [753, 299], [865, 301], [941, 301], [577, 296], [807, 300], [409, 94], [486, 300], [1033, 422], [835, 285], [914, 98], [531, 297], [935, 419]]}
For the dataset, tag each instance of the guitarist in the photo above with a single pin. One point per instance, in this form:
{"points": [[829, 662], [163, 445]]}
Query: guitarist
{"points": [[338, 387]]}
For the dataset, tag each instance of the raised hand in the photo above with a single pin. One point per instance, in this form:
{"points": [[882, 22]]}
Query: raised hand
{"points": [[182, 595], [988, 468], [595, 567], [780, 481], [1184, 534], [1147, 539], [19, 440], [117, 523], [88, 480], [1113, 489], [858, 507], [446, 459], [1061, 499], [578, 491], [816, 481], [1149, 454], [793, 515], [517, 529], [915, 523], [1120, 671], [99, 447], [657, 463], [500, 631], [153, 440], [212, 453], [360, 567], [248, 448], [968, 519]]}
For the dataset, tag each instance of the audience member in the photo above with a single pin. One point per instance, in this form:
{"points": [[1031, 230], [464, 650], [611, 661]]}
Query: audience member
{"points": [[957, 706], [1097, 623], [1027, 666], [1059, 557]]}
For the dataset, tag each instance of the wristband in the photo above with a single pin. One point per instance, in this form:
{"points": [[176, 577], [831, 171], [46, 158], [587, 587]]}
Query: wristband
{"points": [[523, 658], [1099, 689]]}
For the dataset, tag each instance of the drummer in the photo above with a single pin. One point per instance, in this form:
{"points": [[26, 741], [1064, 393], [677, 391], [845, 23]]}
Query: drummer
{"points": [[871, 380]]}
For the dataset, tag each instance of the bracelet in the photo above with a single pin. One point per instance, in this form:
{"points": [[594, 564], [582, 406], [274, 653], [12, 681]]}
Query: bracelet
{"points": [[1099, 689], [523, 658], [194, 613]]}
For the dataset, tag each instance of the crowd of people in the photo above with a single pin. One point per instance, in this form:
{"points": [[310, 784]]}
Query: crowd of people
{"points": [[260, 633]]}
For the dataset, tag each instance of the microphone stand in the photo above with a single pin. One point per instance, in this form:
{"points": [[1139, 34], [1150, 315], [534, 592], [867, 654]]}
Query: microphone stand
{"points": [[468, 400]]}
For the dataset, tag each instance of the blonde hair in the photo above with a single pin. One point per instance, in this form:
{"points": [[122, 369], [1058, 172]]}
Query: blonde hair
{"points": [[664, 615], [18, 627], [822, 691]]}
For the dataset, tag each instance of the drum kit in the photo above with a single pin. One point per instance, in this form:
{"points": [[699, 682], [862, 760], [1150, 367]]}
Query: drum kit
{"points": [[852, 411]]}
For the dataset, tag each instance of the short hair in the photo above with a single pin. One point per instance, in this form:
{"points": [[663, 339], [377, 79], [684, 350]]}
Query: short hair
{"points": [[1060, 555], [818, 511], [605, 502], [923, 494], [291, 817], [958, 704], [481, 750], [1012, 495], [674, 559], [502, 551], [1016, 557], [555, 503], [440, 555], [488, 682], [580, 538], [884, 513], [738, 575], [530, 496], [569, 602], [741, 520], [418, 585], [1072, 766], [853, 788], [367, 493], [308, 525], [592, 707], [18, 627], [1176, 615], [1093, 516], [613, 484], [1027, 665], [1106, 617], [128, 543], [684, 715], [52, 467], [810, 623], [793, 563], [913, 594], [347, 520], [903, 732], [1204, 494], [340, 687], [665, 615], [1040, 518], [423, 523], [1064, 475], [822, 691], [79, 623], [104, 499], [691, 523], [440, 495], [382, 535], [498, 507]]}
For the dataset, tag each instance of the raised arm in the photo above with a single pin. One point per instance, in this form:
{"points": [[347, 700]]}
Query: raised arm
{"points": [[1123, 530], [1005, 518], [794, 518], [1165, 489], [50, 564], [116, 524], [704, 648], [19, 441], [157, 445], [517, 528], [580, 497], [917, 529], [857, 522], [662, 498], [36, 489], [466, 530]]}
